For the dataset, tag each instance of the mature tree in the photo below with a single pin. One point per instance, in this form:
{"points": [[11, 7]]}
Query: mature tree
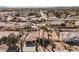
{"points": [[12, 40], [3, 40]]}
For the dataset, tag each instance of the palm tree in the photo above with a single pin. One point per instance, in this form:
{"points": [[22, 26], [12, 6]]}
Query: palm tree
{"points": [[21, 46], [53, 45], [49, 35], [44, 28], [47, 30], [28, 29], [22, 42]]}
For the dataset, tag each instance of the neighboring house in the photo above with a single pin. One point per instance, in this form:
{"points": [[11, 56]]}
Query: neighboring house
{"points": [[9, 18]]}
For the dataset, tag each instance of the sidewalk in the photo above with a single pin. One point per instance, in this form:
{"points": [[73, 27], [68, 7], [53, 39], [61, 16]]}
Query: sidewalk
{"points": [[29, 49]]}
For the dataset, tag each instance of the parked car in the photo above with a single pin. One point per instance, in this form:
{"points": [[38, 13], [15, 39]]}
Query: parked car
{"points": [[72, 41]]}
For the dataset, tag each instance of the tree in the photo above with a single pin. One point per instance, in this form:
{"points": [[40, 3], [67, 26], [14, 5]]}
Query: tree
{"points": [[21, 45], [44, 28], [12, 40], [53, 45], [13, 48], [3, 40], [28, 29], [22, 42]]}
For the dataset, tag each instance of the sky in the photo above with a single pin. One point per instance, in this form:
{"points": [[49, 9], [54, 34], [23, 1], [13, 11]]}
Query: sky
{"points": [[37, 3]]}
